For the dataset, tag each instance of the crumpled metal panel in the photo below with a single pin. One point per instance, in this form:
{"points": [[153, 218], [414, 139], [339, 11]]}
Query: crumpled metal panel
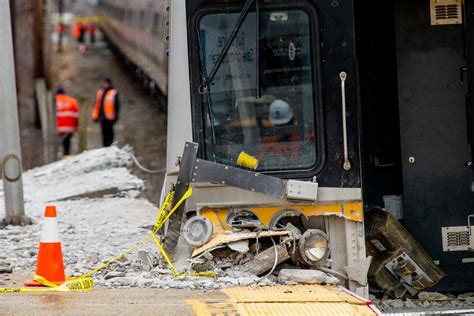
{"points": [[223, 238]]}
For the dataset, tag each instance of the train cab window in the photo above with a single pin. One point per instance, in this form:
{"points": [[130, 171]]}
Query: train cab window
{"points": [[263, 99]]}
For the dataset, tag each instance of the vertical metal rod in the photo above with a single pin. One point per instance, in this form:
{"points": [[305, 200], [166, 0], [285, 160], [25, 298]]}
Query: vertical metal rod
{"points": [[257, 49], [59, 48], [346, 164], [83, 119], [10, 151]]}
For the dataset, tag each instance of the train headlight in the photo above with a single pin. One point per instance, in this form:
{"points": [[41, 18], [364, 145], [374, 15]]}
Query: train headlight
{"points": [[198, 230], [313, 247]]}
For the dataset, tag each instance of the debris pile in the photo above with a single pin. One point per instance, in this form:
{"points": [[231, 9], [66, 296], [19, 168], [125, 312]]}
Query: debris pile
{"points": [[426, 300], [260, 254]]}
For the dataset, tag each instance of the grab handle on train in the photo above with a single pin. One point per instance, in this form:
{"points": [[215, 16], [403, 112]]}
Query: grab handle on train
{"points": [[346, 164]]}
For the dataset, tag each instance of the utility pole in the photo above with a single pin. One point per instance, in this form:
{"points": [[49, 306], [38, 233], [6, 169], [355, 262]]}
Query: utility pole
{"points": [[60, 35], [10, 151]]}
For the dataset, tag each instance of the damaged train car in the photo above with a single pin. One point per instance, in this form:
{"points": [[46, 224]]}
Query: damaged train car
{"points": [[299, 115]]}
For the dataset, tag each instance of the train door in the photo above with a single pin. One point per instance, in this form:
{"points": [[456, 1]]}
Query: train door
{"points": [[421, 52], [434, 137]]}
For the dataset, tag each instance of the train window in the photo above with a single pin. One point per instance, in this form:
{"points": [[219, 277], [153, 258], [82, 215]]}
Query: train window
{"points": [[263, 98]]}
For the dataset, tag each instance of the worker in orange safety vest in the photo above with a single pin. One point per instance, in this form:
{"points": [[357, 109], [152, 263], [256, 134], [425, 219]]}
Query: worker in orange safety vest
{"points": [[67, 118], [106, 110]]}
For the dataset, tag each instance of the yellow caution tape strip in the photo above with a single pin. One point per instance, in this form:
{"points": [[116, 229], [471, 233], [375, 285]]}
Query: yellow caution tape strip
{"points": [[85, 282], [75, 285]]}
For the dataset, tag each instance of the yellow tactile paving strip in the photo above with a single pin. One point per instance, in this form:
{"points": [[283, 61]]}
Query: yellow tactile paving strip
{"points": [[290, 293], [295, 300], [300, 309], [224, 308]]}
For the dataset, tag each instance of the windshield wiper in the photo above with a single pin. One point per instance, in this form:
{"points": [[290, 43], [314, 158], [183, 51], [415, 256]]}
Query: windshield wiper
{"points": [[257, 51], [228, 44]]}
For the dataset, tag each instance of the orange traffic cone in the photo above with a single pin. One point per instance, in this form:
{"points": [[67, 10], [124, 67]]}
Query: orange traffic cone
{"points": [[50, 258]]}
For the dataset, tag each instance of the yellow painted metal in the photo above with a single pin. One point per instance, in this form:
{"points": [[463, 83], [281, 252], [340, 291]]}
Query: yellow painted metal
{"points": [[217, 217], [352, 210]]}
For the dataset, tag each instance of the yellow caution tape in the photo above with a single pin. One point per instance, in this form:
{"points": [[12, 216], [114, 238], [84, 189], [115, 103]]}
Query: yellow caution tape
{"points": [[75, 285], [163, 211], [85, 282]]}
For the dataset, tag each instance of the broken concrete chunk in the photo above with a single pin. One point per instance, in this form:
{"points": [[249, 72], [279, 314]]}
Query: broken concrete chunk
{"points": [[432, 296], [114, 274], [331, 280], [241, 246], [466, 296], [145, 258], [306, 276], [359, 271], [6, 269]]}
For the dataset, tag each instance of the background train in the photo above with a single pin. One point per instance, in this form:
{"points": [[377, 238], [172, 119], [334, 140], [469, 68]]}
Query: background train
{"points": [[138, 30]]}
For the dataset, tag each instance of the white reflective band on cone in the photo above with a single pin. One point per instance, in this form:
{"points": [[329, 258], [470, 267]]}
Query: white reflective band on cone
{"points": [[50, 232]]}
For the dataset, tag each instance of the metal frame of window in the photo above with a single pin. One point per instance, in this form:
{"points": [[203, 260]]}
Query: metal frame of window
{"points": [[196, 78]]}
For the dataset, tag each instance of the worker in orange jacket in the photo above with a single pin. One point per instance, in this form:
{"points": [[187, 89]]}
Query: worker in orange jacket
{"points": [[78, 31], [67, 118], [106, 110]]}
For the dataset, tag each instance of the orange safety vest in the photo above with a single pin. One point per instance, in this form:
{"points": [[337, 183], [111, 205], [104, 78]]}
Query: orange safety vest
{"points": [[109, 105], [76, 30], [67, 114]]}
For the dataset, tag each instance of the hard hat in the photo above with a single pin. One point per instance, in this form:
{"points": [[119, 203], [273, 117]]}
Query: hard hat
{"points": [[280, 112]]}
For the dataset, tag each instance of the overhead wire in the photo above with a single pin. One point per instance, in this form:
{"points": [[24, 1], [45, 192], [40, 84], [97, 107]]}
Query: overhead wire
{"points": [[141, 167]]}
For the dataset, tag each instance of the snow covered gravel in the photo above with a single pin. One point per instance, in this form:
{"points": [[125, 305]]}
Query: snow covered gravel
{"points": [[94, 227]]}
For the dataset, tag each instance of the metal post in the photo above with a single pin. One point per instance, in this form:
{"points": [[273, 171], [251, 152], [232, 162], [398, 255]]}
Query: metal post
{"points": [[60, 35], [83, 119], [10, 152]]}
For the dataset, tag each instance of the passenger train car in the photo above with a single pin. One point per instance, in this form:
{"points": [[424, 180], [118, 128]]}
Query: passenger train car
{"points": [[380, 99], [139, 30]]}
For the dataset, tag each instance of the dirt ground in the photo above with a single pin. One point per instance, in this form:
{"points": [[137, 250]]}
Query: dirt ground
{"points": [[141, 124]]}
